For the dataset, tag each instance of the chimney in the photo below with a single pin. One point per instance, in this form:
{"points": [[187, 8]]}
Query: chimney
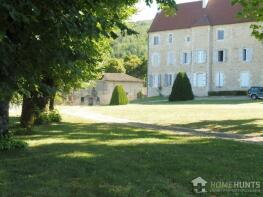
{"points": [[205, 2]]}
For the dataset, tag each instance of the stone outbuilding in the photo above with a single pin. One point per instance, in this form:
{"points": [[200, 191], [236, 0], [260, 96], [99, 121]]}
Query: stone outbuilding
{"points": [[100, 93]]}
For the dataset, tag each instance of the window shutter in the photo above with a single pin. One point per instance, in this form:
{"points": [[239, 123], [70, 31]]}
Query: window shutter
{"points": [[194, 80], [189, 58], [250, 54], [217, 79], [222, 78], [182, 58], [165, 80], [150, 82], [158, 59], [225, 55], [241, 55], [205, 56], [159, 80], [215, 56]]}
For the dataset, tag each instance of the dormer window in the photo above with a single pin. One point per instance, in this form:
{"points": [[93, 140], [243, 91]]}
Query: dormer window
{"points": [[220, 35]]}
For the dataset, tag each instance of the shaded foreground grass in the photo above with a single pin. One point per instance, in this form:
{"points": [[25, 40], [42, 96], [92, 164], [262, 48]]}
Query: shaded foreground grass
{"points": [[77, 159]]}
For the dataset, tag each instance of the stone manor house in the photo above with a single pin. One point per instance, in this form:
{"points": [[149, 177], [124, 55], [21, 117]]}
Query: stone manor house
{"points": [[208, 41]]}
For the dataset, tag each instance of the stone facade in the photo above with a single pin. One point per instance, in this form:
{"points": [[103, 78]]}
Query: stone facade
{"points": [[101, 92], [219, 58]]}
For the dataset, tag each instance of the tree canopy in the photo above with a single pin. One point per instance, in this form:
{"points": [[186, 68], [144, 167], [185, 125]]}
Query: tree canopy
{"points": [[253, 10]]}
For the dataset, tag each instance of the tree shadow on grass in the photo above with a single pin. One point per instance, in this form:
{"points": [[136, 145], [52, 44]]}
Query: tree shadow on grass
{"points": [[244, 126], [112, 160]]}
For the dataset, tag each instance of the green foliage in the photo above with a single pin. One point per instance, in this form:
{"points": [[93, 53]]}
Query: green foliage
{"points": [[49, 117], [9, 143], [252, 10], [119, 96], [125, 46], [182, 89], [133, 49], [114, 65], [228, 93]]}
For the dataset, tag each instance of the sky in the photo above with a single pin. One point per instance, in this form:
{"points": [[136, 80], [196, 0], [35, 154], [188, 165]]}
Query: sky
{"points": [[148, 13]]}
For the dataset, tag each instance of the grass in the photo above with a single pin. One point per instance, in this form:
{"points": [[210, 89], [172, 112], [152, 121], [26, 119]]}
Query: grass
{"points": [[80, 159], [229, 116]]}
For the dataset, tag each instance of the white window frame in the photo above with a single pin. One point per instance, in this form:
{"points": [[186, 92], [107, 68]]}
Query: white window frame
{"points": [[201, 56], [248, 82], [217, 34], [216, 56], [153, 40], [249, 55], [154, 61], [171, 58], [219, 79], [196, 83], [168, 80], [186, 60]]}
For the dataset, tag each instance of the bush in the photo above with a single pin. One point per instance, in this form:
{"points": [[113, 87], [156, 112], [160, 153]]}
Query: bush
{"points": [[9, 143], [182, 89], [228, 93], [48, 117], [119, 96]]}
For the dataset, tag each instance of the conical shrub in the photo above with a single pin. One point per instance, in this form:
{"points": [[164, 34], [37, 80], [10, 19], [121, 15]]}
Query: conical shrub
{"points": [[182, 89], [119, 96]]}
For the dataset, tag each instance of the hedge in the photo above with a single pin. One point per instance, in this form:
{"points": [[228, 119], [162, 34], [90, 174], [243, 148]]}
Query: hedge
{"points": [[119, 96]]}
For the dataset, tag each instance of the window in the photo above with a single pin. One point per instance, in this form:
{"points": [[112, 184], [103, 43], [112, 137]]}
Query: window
{"points": [[220, 35], [187, 39], [221, 56], [170, 58], [246, 55], [168, 80], [156, 40], [200, 57], [170, 38], [244, 79], [199, 80], [150, 81], [156, 59], [82, 99], [186, 57], [219, 79], [154, 81]]}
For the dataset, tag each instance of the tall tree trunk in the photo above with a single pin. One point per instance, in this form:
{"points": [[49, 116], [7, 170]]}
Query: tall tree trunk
{"points": [[52, 102], [4, 116], [28, 114]]}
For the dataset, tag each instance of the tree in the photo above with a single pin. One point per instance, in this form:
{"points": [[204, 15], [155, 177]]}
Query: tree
{"points": [[57, 38], [252, 10], [182, 89], [114, 65], [119, 96]]}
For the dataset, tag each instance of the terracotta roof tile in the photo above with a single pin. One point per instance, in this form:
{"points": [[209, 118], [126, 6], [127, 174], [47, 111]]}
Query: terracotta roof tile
{"points": [[120, 77], [217, 12]]}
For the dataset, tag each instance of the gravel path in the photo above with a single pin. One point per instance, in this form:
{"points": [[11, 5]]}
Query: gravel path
{"points": [[85, 113]]}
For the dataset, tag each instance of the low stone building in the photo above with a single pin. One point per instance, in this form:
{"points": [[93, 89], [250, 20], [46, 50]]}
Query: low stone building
{"points": [[101, 92]]}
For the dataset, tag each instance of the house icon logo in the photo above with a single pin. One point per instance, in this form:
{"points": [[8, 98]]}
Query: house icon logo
{"points": [[199, 185]]}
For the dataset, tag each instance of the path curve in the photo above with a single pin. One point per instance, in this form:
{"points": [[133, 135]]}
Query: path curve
{"points": [[85, 113]]}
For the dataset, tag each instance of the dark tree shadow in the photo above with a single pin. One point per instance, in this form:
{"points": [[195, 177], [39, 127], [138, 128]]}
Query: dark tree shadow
{"points": [[71, 159]]}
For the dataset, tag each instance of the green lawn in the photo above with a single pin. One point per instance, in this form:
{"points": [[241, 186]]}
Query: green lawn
{"points": [[78, 159], [230, 116]]}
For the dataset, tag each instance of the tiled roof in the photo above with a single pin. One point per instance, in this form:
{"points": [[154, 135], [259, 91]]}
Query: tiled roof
{"points": [[120, 77], [217, 12]]}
